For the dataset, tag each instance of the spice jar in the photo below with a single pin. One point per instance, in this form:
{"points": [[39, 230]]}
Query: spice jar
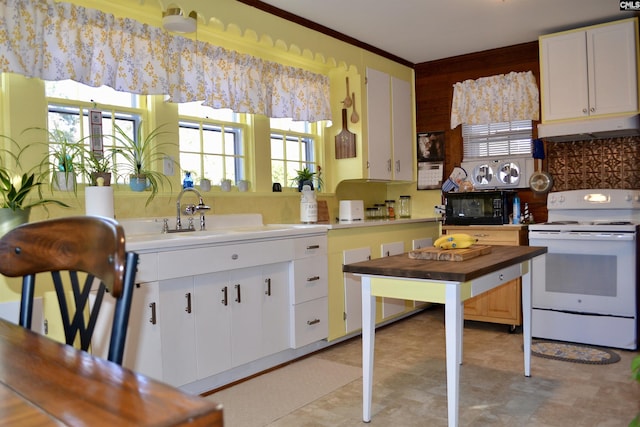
{"points": [[404, 207], [391, 208]]}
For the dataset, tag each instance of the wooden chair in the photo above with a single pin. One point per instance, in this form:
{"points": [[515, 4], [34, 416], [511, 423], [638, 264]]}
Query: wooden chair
{"points": [[63, 247]]}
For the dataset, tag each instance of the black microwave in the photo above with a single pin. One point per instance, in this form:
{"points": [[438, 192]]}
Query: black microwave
{"points": [[490, 207]]}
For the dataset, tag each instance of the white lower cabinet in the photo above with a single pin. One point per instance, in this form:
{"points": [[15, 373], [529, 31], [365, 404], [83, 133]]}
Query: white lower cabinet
{"points": [[189, 327], [178, 331], [143, 348], [214, 322], [275, 308]]}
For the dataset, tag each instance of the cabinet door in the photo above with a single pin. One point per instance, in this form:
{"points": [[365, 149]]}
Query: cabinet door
{"points": [[213, 323], [178, 331], [564, 77], [245, 292], [392, 306], [143, 348], [275, 308], [402, 126], [353, 289], [612, 66], [378, 125]]}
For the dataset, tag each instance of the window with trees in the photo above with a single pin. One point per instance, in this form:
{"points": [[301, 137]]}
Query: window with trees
{"points": [[69, 108], [293, 148], [211, 143]]}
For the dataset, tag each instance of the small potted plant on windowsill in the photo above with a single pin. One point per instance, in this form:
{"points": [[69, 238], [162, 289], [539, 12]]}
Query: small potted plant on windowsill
{"points": [[98, 166], [63, 159], [306, 177], [138, 156]]}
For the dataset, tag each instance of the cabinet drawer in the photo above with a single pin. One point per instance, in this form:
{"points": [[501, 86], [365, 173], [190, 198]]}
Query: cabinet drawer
{"points": [[191, 262], [310, 322], [310, 246], [310, 278], [489, 236]]}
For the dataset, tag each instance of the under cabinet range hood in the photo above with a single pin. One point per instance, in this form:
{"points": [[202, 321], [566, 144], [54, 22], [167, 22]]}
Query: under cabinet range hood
{"points": [[578, 130]]}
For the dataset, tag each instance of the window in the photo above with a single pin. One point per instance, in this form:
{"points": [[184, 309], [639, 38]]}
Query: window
{"points": [[506, 139], [69, 105], [211, 147], [293, 146]]}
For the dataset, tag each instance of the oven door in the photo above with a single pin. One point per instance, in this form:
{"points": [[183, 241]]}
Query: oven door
{"points": [[587, 272]]}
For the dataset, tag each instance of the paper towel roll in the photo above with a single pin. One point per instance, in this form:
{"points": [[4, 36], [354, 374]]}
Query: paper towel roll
{"points": [[99, 201]]}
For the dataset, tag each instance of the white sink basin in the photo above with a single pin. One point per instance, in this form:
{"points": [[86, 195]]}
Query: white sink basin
{"points": [[146, 233]]}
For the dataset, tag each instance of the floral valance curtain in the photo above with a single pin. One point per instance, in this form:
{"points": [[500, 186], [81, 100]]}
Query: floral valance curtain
{"points": [[58, 41], [495, 99]]}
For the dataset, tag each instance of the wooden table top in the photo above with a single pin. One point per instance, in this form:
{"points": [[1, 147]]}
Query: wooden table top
{"points": [[45, 383], [456, 271]]}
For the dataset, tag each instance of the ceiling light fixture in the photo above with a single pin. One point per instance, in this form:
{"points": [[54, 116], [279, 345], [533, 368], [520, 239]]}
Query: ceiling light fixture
{"points": [[174, 20]]}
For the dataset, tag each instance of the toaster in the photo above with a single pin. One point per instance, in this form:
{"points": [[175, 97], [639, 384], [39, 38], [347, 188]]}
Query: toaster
{"points": [[351, 210]]}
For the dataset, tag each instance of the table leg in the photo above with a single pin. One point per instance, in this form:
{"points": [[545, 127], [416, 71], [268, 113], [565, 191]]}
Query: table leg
{"points": [[526, 313], [453, 329], [368, 342]]}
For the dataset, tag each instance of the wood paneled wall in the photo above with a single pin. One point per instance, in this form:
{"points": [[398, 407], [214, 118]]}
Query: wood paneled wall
{"points": [[434, 92]]}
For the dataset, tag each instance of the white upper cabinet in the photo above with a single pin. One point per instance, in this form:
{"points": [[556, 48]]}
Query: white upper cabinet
{"points": [[589, 72], [389, 127]]}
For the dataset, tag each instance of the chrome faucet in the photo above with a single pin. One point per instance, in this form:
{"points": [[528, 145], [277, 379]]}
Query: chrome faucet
{"points": [[191, 209]]}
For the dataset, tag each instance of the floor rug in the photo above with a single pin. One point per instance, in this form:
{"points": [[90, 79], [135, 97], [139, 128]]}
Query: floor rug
{"points": [[262, 400], [576, 353]]}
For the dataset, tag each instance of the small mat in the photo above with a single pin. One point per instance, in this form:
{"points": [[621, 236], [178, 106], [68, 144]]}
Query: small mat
{"points": [[263, 399], [576, 353]]}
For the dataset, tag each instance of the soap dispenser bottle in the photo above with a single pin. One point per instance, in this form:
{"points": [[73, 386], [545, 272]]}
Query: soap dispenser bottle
{"points": [[187, 182]]}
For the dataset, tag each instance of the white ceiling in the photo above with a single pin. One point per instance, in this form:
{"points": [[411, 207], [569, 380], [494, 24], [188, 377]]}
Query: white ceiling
{"points": [[425, 30]]}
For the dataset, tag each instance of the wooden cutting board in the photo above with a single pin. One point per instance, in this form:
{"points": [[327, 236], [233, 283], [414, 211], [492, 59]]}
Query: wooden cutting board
{"points": [[450, 254], [345, 140]]}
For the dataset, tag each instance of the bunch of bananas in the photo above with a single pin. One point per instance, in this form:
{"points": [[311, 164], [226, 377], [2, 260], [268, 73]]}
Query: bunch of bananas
{"points": [[455, 241]]}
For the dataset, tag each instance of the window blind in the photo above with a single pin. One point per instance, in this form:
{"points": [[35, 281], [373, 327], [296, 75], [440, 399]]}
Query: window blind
{"points": [[505, 139]]}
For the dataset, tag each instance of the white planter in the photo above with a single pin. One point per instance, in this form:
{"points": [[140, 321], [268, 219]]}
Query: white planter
{"points": [[64, 181]]}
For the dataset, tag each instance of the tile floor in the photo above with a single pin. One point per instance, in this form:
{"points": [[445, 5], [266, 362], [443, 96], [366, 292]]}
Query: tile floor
{"points": [[410, 375]]}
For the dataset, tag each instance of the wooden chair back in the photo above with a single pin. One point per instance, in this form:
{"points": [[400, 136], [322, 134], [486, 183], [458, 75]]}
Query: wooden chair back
{"points": [[64, 247]]}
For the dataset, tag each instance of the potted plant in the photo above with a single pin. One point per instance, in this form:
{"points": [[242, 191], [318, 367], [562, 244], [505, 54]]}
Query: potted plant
{"points": [[138, 157], [64, 158], [306, 177], [14, 188], [97, 166]]}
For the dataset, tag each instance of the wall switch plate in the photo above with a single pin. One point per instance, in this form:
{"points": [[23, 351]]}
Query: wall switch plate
{"points": [[167, 166]]}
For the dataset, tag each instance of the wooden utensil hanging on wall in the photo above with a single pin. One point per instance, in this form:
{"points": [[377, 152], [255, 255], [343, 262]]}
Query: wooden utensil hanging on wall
{"points": [[345, 140]]}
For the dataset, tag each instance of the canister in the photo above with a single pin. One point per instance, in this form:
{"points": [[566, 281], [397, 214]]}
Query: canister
{"points": [[404, 207], [391, 208]]}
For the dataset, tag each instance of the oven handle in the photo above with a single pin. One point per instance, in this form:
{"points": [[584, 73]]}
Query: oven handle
{"points": [[578, 235]]}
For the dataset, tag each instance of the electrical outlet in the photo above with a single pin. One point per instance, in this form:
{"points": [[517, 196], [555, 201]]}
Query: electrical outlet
{"points": [[168, 164]]}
